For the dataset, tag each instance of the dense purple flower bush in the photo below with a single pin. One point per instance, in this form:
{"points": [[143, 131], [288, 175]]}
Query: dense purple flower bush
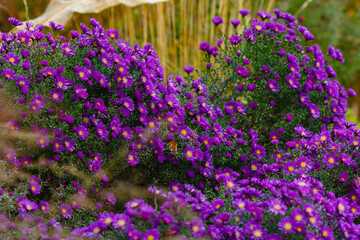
{"points": [[254, 144]]}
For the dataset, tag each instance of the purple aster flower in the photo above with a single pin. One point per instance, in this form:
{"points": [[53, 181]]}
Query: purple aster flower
{"points": [[308, 35], [126, 133], [9, 74], [67, 50], [82, 132], [240, 70], [197, 228], [253, 105], [44, 207], [106, 60], [251, 87], [38, 102], [188, 69], [185, 132], [304, 99], [115, 124], [12, 126], [35, 188], [344, 177], [29, 205], [56, 95], [10, 155], [276, 206], [351, 92], [151, 234], [172, 101], [48, 72], [190, 153], [12, 58], [57, 145], [153, 125], [273, 85], [327, 233], [55, 224], [244, 12], [289, 117], [264, 15], [42, 139], [275, 137], [110, 198], [112, 33], [286, 226], [158, 192], [101, 131], [15, 21], [69, 144], [235, 22], [314, 110], [128, 103], [56, 27], [304, 163], [26, 161], [65, 210], [61, 82], [217, 20], [82, 73], [80, 92], [301, 131], [292, 81], [121, 221], [132, 158]]}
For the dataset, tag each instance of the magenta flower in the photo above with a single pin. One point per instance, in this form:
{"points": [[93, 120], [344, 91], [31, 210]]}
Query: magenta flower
{"points": [[29, 205], [67, 50], [42, 139], [35, 188], [190, 153], [240, 70], [126, 133], [314, 110], [9, 74], [57, 145], [44, 207], [65, 210], [121, 221], [197, 228], [286, 226], [128, 103], [217, 21], [151, 234], [13, 126], [344, 177], [9, 154], [273, 85], [82, 132], [153, 125], [276, 206], [56, 95], [69, 144], [12, 58], [38, 102], [15, 22], [132, 158]]}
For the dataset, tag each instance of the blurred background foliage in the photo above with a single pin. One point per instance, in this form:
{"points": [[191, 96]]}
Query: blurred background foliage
{"points": [[176, 27]]}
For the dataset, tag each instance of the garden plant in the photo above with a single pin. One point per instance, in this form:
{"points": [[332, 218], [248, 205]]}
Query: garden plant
{"points": [[251, 144]]}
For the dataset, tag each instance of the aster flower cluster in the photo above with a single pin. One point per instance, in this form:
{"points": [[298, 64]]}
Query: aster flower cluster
{"points": [[257, 146], [246, 209], [271, 68]]}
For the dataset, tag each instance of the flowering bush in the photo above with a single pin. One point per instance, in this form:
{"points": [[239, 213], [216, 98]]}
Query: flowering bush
{"points": [[267, 79], [260, 131]]}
